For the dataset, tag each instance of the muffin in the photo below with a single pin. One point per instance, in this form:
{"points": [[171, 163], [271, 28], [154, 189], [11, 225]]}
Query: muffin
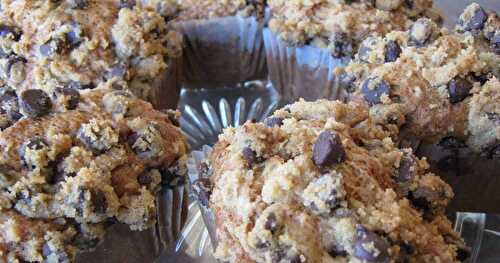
{"points": [[307, 40], [445, 84], [224, 43], [324, 182], [83, 44], [68, 173]]}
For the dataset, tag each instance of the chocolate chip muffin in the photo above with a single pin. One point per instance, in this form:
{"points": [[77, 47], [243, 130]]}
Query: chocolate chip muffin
{"points": [[324, 182], [82, 44], [60, 170], [340, 26], [201, 9], [443, 84]]}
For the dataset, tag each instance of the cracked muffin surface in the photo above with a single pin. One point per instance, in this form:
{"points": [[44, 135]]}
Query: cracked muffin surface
{"points": [[201, 9], [339, 26], [324, 182], [81, 44], [99, 163], [444, 83]]}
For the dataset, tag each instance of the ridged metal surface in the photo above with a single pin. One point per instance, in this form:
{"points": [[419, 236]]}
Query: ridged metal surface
{"points": [[206, 112]]}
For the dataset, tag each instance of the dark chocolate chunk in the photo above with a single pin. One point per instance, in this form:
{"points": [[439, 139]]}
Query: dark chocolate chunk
{"points": [[337, 251], [93, 141], [407, 168], [249, 155], [328, 149], [452, 142], [392, 51], [272, 223], [421, 32], [419, 202], [78, 4], [494, 117], [33, 144], [142, 145], [10, 107], [370, 246], [73, 39], [119, 71], [463, 253], [273, 122], [459, 89], [53, 46], [71, 97], [35, 102], [364, 51], [202, 188], [346, 82], [373, 89], [476, 21], [61, 256], [341, 45], [144, 179], [79, 85], [127, 4], [10, 32]]}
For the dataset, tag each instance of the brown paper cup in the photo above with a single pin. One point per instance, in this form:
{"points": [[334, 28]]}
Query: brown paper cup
{"points": [[302, 72], [222, 51], [475, 180], [166, 89]]}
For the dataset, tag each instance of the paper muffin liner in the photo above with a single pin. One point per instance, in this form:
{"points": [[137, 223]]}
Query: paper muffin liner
{"points": [[121, 244], [475, 179], [166, 88], [302, 72], [222, 50]]}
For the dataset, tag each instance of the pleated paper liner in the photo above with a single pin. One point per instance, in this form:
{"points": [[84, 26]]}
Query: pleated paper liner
{"points": [[222, 51]]}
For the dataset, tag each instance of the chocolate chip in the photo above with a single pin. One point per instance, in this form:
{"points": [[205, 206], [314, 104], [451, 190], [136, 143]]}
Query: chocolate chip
{"points": [[421, 32], [79, 85], [78, 4], [35, 103], [364, 50], [337, 251], [98, 199], [273, 122], [143, 146], [53, 46], [71, 97], [73, 39], [328, 149], [482, 78], [127, 4], [10, 32], [392, 51], [144, 179], [272, 223], [346, 82], [341, 45], [170, 179], [61, 256], [459, 89], [202, 188], [405, 251], [452, 142], [494, 117], [463, 253], [370, 247], [10, 107], [119, 71], [373, 89], [476, 21], [419, 202], [249, 155], [172, 117], [34, 144], [407, 168]]}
